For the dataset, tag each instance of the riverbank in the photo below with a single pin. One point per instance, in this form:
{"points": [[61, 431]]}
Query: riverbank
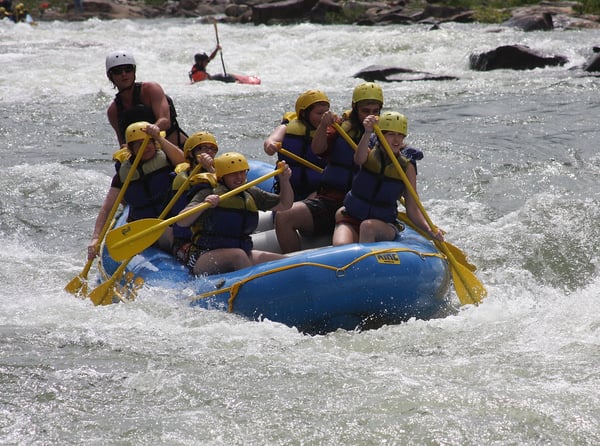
{"points": [[563, 14]]}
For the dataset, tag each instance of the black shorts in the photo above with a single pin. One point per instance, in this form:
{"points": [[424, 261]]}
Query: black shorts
{"points": [[323, 213]]}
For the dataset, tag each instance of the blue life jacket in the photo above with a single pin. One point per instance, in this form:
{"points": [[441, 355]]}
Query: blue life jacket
{"points": [[228, 225], [376, 188], [340, 166], [148, 190], [297, 140]]}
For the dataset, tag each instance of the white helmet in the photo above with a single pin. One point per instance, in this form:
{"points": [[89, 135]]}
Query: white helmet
{"points": [[117, 58]]}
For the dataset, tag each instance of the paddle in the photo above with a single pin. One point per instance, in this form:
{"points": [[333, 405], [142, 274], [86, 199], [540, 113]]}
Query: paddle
{"points": [[457, 253], [218, 44], [345, 135], [134, 237], [300, 160], [102, 294], [78, 285], [468, 288]]}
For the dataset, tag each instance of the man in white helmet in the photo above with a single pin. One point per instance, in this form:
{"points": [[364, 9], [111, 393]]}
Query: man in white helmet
{"points": [[139, 101]]}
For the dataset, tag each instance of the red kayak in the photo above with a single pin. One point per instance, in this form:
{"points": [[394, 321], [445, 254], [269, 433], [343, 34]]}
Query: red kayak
{"points": [[229, 78]]}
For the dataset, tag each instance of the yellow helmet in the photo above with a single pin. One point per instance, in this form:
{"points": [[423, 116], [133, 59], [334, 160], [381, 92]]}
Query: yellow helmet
{"points": [[309, 98], [367, 91], [135, 131], [230, 162], [393, 122], [196, 139]]}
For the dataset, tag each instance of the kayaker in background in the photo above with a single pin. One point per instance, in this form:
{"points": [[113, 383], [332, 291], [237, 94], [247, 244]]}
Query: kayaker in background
{"points": [[198, 72], [139, 101], [296, 137], [316, 215], [221, 234], [370, 208], [148, 190]]}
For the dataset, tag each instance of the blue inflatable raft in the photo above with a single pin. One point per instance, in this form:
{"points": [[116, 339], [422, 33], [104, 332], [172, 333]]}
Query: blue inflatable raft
{"points": [[317, 290]]}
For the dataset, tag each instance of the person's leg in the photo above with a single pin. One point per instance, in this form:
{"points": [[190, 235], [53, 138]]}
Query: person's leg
{"points": [[219, 261], [257, 256], [287, 223], [372, 230]]}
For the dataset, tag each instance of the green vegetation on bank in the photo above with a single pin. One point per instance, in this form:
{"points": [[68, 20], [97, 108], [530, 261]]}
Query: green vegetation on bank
{"points": [[490, 11]]}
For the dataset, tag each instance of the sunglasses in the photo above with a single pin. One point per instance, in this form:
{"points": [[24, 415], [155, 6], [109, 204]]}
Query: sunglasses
{"points": [[122, 69], [204, 148]]}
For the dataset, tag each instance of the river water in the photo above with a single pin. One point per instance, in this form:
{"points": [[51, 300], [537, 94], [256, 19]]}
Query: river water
{"points": [[511, 172]]}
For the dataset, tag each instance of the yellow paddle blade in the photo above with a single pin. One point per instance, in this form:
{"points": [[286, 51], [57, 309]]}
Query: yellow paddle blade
{"points": [[467, 286], [460, 256], [75, 285], [103, 293], [126, 241], [78, 285]]}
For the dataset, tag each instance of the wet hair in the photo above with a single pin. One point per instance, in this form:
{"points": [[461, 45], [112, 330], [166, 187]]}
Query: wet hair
{"points": [[199, 57]]}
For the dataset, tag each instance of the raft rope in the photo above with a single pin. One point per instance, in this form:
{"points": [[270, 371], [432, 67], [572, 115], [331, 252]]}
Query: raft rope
{"points": [[339, 272]]}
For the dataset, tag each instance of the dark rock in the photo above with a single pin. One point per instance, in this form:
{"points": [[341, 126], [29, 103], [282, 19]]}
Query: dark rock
{"points": [[593, 63], [515, 57], [318, 14], [541, 22], [288, 10], [380, 73]]}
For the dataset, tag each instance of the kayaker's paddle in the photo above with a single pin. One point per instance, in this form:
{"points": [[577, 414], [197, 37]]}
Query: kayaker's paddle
{"points": [[78, 285], [220, 51], [468, 288], [103, 293], [132, 238]]}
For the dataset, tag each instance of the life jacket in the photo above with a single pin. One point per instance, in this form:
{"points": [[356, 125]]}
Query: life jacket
{"points": [[340, 166], [198, 182], [197, 74], [142, 112], [297, 140], [376, 188], [149, 188], [228, 225]]}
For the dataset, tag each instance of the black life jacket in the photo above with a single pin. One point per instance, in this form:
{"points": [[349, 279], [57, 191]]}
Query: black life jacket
{"points": [[142, 112]]}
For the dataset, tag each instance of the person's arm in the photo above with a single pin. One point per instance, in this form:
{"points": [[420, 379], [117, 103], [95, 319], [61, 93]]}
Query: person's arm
{"points": [[154, 93], [214, 53], [113, 119], [199, 199], [413, 211], [286, 192], [109, 201], [273, 142], [319, 142], [174, 153], [362, 151]]}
